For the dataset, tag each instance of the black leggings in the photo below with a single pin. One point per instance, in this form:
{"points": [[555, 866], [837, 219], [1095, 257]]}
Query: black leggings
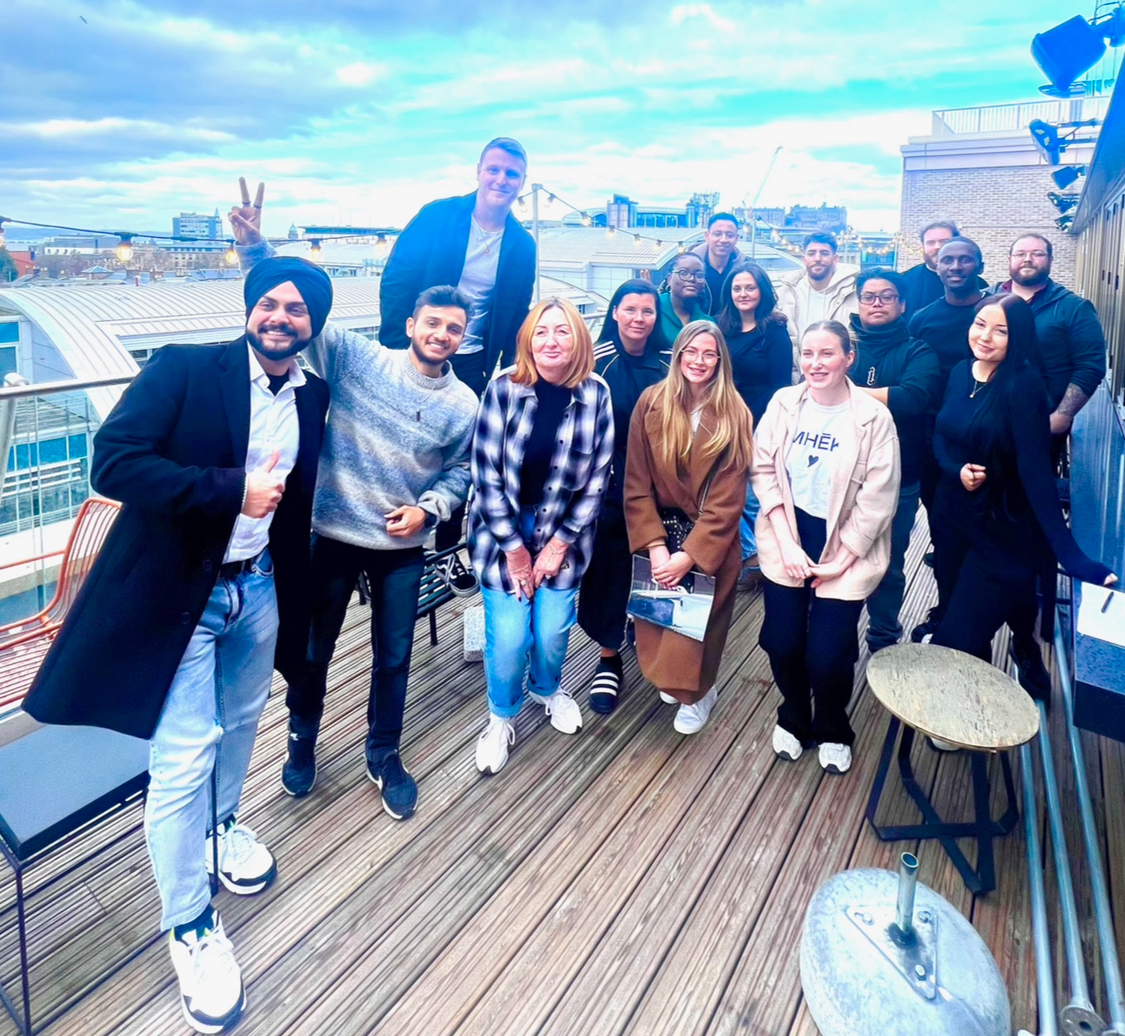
{"points": [[606, 583]]}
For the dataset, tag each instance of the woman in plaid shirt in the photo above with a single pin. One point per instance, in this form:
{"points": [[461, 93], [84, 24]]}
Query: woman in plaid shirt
{"points": [[541, 463]]}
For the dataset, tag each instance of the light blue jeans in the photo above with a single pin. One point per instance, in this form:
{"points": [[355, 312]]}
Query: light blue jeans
{"points": [[746, 535], [209, 721]]}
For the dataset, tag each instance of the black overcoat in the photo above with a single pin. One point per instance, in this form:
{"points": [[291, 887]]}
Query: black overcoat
{"points": [[173, 451]]}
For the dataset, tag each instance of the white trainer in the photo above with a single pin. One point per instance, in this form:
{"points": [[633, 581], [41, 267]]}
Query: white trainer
{"points": [[212, 995], [692, 718], [566, 716], [668, 699], [786, 745], [245, 865], [835, 758], [492, 745], [944, 746]]}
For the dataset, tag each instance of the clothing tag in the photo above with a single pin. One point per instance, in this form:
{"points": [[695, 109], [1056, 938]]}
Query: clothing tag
{"points": [[871, 376]]}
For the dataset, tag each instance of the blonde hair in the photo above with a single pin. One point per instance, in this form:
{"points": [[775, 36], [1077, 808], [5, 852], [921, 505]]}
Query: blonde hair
{"points": [[581, 362], [672, 400]]}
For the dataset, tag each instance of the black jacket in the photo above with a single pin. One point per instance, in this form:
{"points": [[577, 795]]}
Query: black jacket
{"points": [[431, 250], [1071, 342], [887, 357], [173, 451]]}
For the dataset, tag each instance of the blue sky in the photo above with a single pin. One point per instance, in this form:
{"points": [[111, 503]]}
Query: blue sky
{"points": [[121, 113]]}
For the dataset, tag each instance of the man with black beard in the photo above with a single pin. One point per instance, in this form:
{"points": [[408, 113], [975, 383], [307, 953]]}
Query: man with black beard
{"points": [[203, 577], [1071, 341]]}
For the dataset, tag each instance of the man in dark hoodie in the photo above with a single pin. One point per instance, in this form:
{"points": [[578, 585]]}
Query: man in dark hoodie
{"points": [[904, 374]]}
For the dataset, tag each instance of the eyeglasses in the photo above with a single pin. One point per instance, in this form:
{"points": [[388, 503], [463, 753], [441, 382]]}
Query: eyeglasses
{"points": [[883, 300], [1029, 255], [695, 356], [688, 275]]}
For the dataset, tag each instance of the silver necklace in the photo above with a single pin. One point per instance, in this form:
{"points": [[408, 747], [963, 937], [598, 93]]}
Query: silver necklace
{"points": [[977, 385], [487, 237]]}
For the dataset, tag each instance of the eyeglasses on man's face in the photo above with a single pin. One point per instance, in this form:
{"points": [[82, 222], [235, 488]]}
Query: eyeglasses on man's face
{"points": [[1037, 256], [884, 298]]}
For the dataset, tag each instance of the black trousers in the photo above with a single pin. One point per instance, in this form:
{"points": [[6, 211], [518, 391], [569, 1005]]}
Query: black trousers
{"points": [[394, 577], [604, 590], [471, 370]]}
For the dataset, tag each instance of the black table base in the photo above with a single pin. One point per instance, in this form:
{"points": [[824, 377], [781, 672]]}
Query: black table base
{"points": [[983, 828]]}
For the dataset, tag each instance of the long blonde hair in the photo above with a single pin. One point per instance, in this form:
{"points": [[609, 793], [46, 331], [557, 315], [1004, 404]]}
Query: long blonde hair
{"points": [[581, 363], [672, 400]]}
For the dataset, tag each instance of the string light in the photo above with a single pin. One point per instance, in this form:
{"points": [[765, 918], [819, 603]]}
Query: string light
{"points": [[314, 248], [637, 238], [231, 256], [586, 221], [125, 248], [381, 246]]}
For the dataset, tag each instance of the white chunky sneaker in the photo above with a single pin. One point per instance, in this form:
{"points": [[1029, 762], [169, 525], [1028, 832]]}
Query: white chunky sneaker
{"points": [[786, 745], [212, 995], [668, 699], [944, 746], [492, 745], [565, 714], [692, 718], [245, 865], [835, 758]]}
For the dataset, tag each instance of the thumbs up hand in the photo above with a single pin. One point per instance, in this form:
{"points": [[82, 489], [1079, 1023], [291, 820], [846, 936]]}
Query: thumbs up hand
{"points": [[263, 489]]}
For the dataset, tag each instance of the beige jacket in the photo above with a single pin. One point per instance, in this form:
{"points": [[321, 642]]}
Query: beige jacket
{"points": [[841, 301], [861, 501]]}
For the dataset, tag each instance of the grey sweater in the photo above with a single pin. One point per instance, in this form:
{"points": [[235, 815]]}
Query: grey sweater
{"points": [[394, 438]]}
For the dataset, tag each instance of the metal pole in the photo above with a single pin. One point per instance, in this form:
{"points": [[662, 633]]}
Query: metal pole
{"points": [[8, 424], [535, 189], [1045, 976], [1111, 965], [907, 885]]}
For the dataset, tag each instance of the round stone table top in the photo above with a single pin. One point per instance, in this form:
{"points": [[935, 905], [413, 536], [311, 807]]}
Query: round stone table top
{"points": [[953, 696]]}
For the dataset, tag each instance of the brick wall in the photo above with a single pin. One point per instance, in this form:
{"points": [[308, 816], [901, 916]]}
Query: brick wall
{"points": [[993, 206]]}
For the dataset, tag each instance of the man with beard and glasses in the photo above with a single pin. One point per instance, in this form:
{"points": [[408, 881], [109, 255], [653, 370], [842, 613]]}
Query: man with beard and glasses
{"points": [[395, 463], [200, 591], [823, 290], [1071, 342], [719, 252]]}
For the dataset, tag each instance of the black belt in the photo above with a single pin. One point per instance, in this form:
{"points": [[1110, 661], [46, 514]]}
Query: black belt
{"points": [[235, 568]]}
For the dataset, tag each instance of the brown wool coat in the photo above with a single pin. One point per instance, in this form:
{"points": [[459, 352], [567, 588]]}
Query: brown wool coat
{"points": [[671, 661]]}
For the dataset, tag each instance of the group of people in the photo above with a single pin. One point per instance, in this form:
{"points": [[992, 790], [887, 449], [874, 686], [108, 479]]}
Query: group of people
{"points": [[730, 426]]}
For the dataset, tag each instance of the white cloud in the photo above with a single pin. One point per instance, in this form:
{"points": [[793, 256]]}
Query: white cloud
{"points": [[359, 73]]}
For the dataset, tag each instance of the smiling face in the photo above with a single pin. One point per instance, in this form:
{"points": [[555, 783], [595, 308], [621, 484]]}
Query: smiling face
{"points": [[279, 325], [699, 360], [687, 277], [958, 266], [721, 238], [820, 261], [824, 363], [988, 335], [436, 333], [745, 293], [1029, 264], [636, 317], [934, 238], [879, 303], [499, 178], [552, 346]]}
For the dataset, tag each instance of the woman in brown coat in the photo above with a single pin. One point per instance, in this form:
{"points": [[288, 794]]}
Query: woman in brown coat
{"points": [[689, 451]]}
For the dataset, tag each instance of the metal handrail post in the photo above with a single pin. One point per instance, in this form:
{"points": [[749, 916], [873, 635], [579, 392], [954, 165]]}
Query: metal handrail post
{"points": [[8, 423], [1111, 964]]}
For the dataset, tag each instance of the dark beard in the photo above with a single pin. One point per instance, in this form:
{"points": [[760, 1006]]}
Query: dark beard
{"points": [[295, 346], [1039, 277]]}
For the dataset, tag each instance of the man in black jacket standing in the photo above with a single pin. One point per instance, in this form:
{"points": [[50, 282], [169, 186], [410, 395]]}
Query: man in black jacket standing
{"points": [[903, 374], [475, 243], [923, 282], [175, 634]]}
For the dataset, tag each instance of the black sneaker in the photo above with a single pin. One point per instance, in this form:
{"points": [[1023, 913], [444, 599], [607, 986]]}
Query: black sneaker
{"points": [[928, 558], [298, 775], [925, 629], [1032, 673], [606, 684], [457, 577], [400, 793]]}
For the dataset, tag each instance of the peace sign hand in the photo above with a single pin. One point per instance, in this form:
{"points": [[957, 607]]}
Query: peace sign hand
{"points": [[246, 219]]}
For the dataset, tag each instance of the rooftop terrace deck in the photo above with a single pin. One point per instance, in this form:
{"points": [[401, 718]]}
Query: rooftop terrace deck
{"points": [[624, 880]]}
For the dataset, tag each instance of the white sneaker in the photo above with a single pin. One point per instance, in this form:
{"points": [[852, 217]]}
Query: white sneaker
{"points": [[944, 746], [668, 699], [691, 718], [245, 865], [835, 758], [492, 745], [565, 714], [212, 995], [786, 745]]}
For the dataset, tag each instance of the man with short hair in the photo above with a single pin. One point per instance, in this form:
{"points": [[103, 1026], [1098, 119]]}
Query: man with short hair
{"points": [[1071, 341], [823, 290], [395, 462], [719, 251], [213, 452], [923, 283], [902, 373]]}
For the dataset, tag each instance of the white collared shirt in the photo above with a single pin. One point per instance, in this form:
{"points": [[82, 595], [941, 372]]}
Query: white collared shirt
{"points": [[273, 426]]}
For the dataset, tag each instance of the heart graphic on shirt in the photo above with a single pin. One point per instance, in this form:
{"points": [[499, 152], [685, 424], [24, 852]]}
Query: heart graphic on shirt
{"points": [[813, 459]]}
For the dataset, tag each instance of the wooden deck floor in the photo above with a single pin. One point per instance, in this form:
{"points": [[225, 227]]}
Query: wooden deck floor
{"points": [[623, 880]]}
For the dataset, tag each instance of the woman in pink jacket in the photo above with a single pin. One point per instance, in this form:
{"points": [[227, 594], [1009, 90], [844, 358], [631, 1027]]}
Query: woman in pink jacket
{"points": [[826, 471]]}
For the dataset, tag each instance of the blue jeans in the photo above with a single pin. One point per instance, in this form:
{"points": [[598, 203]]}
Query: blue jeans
{"points": [[746, 534], [883, 606], [209, 721]]}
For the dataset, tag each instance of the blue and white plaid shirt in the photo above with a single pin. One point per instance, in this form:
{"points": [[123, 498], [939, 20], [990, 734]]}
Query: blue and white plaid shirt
{"points": [[572, 495]]}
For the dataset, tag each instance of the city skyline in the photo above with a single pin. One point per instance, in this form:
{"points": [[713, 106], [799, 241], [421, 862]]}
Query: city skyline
{"points": [[122, 114]]}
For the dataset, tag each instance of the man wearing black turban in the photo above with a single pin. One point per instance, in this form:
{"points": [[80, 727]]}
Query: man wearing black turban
{"points": [[200, 591]]}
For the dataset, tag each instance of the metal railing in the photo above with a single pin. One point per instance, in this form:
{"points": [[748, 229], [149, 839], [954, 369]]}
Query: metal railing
{"points": [[1012, 118]]}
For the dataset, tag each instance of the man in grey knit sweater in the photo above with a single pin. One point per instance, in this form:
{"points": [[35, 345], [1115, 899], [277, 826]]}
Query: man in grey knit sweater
{"points": [[395, 461]]}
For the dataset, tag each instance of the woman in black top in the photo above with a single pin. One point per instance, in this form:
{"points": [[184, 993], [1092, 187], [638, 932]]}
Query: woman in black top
{"points": [[632, 353], [997, 508], [761, 354]]}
